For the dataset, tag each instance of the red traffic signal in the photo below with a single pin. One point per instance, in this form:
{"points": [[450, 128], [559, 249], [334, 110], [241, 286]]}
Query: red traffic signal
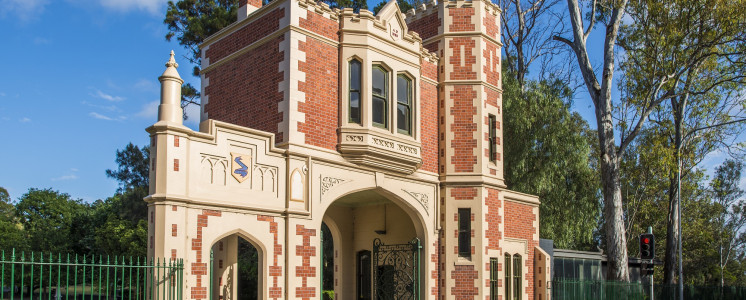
{"points": [[647, 246]]}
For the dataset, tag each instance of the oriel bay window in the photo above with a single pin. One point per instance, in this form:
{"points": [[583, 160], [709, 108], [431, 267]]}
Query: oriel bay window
{"points": [[404, 104], [355, 83], [379, 103]]}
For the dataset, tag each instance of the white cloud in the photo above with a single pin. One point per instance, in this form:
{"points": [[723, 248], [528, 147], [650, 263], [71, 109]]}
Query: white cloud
{"points": [[65, 177], [24, 120], [99, 116], [151, 6], [2, 94], [149, 110], [106, 96], [26, 10], [104, 107], [74, 169]]}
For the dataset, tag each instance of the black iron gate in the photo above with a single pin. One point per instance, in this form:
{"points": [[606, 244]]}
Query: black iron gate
{"points": [[396, 271]]}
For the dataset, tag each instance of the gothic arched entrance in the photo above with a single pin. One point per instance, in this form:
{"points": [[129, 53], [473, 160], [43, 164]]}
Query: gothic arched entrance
{"points": [[235, 269], [375, 247]]}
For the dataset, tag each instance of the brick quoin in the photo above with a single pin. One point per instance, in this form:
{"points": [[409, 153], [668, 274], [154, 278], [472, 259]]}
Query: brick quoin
{"points": [[463, 71], [245, 36], [321, 107], [463, 193], [199, 268], [465, 286], [461, 19], [426, 26], [490, 24], [435, 274], [429, 125], [248, 86], [463, 128], [491, 55], [519, 223], [305, 251], [275, 270]]}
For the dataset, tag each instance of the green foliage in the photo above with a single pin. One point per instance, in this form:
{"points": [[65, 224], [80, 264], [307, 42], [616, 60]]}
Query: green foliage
{"points": [[11, 234], [133, 177], [404, 5], [49, 219], [548, 153], [248, 272], [192, 21]]}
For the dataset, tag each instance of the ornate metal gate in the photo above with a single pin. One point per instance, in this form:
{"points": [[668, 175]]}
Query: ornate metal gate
{"points": [[396, 271]]}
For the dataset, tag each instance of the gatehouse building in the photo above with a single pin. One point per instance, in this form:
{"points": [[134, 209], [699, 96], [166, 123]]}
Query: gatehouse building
{"points": [[384, 130]]}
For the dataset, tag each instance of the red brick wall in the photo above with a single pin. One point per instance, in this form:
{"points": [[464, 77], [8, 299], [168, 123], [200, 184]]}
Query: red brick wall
{"points": [[519, 223], [493, 218], [321, 25], [243, 37], [199, 268], [461, 19], [465, 286], [305, 251], [463, 67], [321, 88], [463, 128], [429, 118], [465, 193], [245, 91], [275, 270], [426, 26], [432, 47]]}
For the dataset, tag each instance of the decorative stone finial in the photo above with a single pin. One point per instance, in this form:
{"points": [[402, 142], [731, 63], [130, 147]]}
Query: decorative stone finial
{"points": [[169, 110], [171, 61]]}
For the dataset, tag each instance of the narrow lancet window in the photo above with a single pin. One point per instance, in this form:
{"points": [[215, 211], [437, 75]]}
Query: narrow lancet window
{"points": [[380, 97], [355, 78], [404, 104]]}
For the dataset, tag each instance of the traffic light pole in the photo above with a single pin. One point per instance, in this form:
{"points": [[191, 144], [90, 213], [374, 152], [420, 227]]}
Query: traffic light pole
{"points": [[652, 290]]}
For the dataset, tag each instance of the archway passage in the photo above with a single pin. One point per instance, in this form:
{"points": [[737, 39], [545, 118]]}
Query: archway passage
{"points": [[355, 221], [236, 268]]}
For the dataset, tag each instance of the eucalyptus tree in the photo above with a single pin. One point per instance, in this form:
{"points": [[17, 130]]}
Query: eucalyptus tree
{"points": [[609, 14], [685, 60]]}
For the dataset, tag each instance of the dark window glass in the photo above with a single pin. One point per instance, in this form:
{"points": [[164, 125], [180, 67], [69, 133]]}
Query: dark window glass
{"points": [[508, 275], [380, 98], [493, 278], [464, 232], [404, 104], [517, 276], [355, 72], [493, 137]]}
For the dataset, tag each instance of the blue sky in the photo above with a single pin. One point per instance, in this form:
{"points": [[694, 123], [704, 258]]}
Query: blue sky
{"points": [[79, 81]]}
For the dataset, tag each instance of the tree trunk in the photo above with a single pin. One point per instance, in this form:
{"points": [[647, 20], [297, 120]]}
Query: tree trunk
{"points": [[616, 240], [672, 236], [678, 104]]}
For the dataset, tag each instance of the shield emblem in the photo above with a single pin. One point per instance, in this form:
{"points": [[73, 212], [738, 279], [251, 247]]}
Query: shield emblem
{"points": [[240, 166]]}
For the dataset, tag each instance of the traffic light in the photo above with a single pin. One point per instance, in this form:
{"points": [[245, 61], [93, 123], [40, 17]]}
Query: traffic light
{"points": [[647, 246]]}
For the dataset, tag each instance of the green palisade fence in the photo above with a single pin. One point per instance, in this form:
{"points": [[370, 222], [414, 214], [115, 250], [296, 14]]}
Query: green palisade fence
{"points": [[37, 276]]}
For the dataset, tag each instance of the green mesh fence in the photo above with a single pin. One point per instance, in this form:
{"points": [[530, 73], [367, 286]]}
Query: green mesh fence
{"points": [[38, 276], [568, 289]]}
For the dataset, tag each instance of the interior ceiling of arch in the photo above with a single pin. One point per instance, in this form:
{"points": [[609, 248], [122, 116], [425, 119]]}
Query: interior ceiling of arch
{"points": [[364, 198]]}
